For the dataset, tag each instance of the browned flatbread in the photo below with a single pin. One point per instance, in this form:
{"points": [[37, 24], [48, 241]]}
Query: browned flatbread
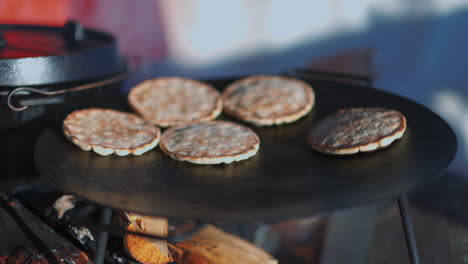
{"points": [[106, 131], [211, 142], [268, 100], [175, 101], [349, 131]]}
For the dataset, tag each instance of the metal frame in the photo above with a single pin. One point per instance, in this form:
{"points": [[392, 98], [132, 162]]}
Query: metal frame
{"points": [[407, 224], [101, 245]]}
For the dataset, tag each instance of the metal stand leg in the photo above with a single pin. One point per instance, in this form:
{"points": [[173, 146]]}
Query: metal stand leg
{"points": [[106, 216], [408, 228]]}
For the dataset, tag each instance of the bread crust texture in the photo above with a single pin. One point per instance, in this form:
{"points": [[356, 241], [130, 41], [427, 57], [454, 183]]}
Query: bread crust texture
{"points": [[106, 132], [266, 100], [211, 142], [353, 130], [172, 101]]}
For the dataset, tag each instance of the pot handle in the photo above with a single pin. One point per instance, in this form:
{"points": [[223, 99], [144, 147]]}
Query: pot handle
{"points": [[67, 90], [316, 74]]}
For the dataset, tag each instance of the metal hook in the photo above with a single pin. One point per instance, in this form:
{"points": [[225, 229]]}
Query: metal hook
{"points": [[48, 93], [13, 92]]}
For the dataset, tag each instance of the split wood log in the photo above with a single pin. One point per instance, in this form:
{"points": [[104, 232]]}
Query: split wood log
{"points": [[147, 250], [211, 245]]}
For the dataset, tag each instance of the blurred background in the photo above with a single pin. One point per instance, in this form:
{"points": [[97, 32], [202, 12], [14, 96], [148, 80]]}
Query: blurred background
{"points": [[414, 48]]}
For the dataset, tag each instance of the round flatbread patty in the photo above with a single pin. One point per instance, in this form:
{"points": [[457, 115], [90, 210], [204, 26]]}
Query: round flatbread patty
{"points": [[107, 131], [268, 100], [211, 142], [349, 131], [174, 101]]}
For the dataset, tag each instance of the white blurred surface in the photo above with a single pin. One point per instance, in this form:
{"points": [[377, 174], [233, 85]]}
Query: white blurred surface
{"points": [[201, 32]]}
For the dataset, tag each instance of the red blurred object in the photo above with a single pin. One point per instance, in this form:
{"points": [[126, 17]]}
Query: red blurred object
{"points": [[33, 44], [137, 25], [42, 12]]}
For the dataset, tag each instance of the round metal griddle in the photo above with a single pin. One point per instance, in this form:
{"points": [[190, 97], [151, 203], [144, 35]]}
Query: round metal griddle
{"points": [[285, 180]]}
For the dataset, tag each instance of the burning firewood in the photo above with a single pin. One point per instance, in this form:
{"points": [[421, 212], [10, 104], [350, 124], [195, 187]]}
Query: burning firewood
{"points": [[24, 238], [147, 250], [211, 245]]}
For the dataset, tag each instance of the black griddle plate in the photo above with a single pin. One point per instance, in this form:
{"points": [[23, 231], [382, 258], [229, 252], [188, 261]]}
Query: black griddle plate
{"points": [[285, 180]]}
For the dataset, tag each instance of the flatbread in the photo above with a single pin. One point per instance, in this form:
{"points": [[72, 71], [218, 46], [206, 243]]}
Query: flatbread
{"points": [[211, 142], [268, 100], [175, 101], [106, 131], [354, 130]]}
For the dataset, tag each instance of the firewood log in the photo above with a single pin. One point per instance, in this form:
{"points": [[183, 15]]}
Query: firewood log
{"points": [[211, 245], [24, 238], [147, 250]]}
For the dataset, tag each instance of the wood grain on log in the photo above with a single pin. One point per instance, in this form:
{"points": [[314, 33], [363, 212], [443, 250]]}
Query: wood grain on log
{"points": [[143, 249], [211, 245]]}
